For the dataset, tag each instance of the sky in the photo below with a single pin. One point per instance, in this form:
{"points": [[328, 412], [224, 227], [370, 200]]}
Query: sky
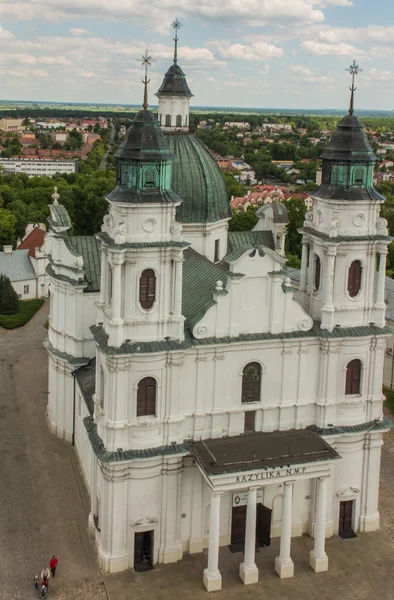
{"points": [[244, 53]]}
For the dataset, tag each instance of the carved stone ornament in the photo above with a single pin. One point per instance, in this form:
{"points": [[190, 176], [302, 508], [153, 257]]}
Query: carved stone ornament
{"points": [[381, 226], [106, 223], [149, 225], [334, 228], [319, 216], [305, 324], [175, 228], [308, 219], [120, 233], [358, 220]]}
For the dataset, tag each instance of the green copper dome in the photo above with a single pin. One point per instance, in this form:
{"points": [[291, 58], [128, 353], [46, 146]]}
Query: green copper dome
{"points": [[198, 180]]}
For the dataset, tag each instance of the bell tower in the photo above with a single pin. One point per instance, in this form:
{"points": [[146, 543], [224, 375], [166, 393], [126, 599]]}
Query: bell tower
{"points": [[141, 241], [174, 94], [344, 239]]}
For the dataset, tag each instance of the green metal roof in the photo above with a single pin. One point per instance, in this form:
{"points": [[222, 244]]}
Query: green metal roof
{"points": [[237, 239], [107, 456], [345, 238], [76, 361], [174, 83], [86, 378], [110, 242], [59, 220], [199, 279], [198, 180], [88, 247], [378, 425]]}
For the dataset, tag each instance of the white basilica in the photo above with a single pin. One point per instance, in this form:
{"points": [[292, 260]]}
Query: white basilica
{"points": [[209, 405]]}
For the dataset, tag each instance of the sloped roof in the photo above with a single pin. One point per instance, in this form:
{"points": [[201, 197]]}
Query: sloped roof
{"points": [[16, 265], [86, 378], [88, 247], [174, 83], [34, 240], [199, 279], [243, 238]]}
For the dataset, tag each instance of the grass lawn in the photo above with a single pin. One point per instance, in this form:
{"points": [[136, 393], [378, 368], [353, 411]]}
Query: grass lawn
{"points": [[389, 399], [28, 309]]}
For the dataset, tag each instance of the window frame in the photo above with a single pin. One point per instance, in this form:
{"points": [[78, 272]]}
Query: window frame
{"points": [[246, 391], [145, 405], [354, 279], [168, 121], [26, 289], [317, 271], [147, 291], [353, 377]]}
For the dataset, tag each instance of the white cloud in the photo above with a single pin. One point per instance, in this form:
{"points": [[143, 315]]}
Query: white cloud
{"points": [[77, 31], [251, 11], [380, 75], [23, 59], [39, 73], [371, 33], [4, 34], [301, 70], [265, 70], [256, 51], [54, 60], [322, 49]]}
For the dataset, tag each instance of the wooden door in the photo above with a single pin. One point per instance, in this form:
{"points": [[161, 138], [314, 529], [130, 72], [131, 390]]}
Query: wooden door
{"points": [[138, 549], [238, 524], [263, 525], [345, 517]]}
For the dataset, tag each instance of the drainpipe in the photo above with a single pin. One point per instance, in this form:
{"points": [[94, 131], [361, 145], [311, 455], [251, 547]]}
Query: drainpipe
{"points": [[73, 431]]}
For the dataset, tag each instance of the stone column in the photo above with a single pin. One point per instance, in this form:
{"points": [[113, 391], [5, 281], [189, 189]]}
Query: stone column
{"points": [[104, 278], [212, 577], [116, 290], [304, 265], [381, 279], [328, 288], [284, 566], [317, 557], [248, 571]]}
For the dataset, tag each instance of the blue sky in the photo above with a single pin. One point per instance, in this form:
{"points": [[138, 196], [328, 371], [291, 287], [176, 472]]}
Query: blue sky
{"points": [[247, 53]]}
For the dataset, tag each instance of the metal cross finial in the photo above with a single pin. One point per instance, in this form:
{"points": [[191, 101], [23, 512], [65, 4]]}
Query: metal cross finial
{"points": [[353, 70], [176, 25], [146, 60]]}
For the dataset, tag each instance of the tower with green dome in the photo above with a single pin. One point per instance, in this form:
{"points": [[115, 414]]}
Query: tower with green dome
{"points": [[343, 236], [205, 211]]}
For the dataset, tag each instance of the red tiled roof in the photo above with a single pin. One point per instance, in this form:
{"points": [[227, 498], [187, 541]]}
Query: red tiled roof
{"points": [[34, 240]]}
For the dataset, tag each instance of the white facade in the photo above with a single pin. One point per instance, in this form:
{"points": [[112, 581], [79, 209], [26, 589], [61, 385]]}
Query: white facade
{"points": [[33, 167], [173, 112], [151, 496]]}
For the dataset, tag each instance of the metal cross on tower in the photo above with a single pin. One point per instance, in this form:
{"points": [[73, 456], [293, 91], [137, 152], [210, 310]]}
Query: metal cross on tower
{"points": [[353, 70], [146, 60], [176, 25]]}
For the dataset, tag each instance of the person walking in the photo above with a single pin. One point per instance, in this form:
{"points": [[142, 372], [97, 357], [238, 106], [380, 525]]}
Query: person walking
{"points": [[43, 593], [36, 583], [45, 575], [52, 565]]}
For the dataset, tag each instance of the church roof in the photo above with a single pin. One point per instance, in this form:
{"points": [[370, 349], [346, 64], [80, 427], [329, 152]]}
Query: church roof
{"points": [[242, 238], [88, 247], [86, 378], [349, 143], [16, 265], [198, 180], [174, 83], [34, 240], [145, 140]]}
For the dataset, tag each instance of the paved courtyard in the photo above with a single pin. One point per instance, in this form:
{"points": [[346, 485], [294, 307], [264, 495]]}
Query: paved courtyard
{"points": [[41, 501], [43, 510]]}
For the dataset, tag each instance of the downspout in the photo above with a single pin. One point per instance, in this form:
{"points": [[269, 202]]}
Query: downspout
{"points": [[73, 430]]}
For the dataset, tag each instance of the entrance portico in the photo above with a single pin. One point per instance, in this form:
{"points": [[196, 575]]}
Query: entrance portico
{"points": [[249, 463]]}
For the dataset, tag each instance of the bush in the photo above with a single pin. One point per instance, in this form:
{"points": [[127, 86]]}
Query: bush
{"points": [[28, 309], [9, 301]]}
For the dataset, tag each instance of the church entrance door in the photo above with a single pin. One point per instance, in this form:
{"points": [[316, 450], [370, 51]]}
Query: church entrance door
{"points": [[143, 551], [345, 527], [263, 525]]}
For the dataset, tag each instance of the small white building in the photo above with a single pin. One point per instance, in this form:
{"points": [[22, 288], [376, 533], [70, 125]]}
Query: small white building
{"points": [[17, 266]]}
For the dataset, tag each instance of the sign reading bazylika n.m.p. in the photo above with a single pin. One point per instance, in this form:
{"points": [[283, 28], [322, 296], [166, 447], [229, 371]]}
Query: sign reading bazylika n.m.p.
{"points": [[242, 498], [274, 474]]}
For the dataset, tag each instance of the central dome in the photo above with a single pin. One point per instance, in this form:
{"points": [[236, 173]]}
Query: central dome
{"points": [[198, 180]]}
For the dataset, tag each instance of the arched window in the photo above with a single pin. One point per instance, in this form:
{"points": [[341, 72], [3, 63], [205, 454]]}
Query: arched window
{"points": [[251, 382], [147, 288], [358, 176], [146, 397], [353, 377], [168, 120], [179, 120], [354, 278], [317, 277], [150, 177], [160, 119]]}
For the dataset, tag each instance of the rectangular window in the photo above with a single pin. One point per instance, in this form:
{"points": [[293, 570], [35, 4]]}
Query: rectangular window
{"points": [[250, 417], [25, 289], [217, 251]]}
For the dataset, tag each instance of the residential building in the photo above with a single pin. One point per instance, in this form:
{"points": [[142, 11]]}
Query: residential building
{"points": [[33, 167], [8, 125], [37, 245], [59, 136], [17, 266]]}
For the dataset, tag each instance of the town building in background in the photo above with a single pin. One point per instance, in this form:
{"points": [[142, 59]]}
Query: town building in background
{"points": [[35, 166]]}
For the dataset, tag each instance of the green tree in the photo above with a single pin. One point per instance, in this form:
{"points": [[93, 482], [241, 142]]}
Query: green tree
{"points": [[234, 187], [9, 301], [7, 227], [296, 210], [243, 220]]}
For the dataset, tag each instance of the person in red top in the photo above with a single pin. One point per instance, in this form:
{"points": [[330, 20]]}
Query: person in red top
{"points": [[53, 565]]}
